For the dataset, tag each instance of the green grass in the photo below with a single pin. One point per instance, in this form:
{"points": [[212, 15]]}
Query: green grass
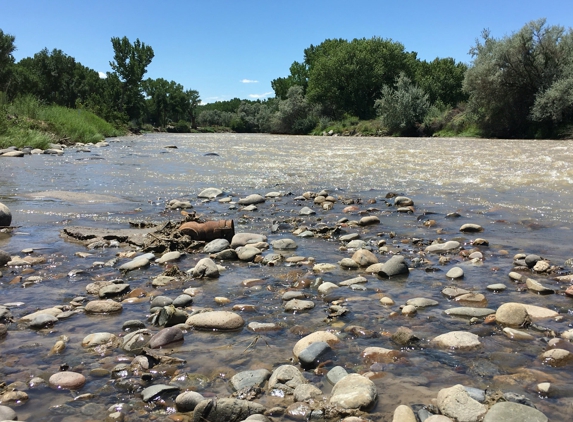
{"points": [[26, 122]]}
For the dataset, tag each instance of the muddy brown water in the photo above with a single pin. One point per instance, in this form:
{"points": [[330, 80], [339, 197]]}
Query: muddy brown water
{"points": [[519, 191]]}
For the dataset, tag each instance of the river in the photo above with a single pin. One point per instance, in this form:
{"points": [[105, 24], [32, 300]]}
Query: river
{"points": [[520, 191]]}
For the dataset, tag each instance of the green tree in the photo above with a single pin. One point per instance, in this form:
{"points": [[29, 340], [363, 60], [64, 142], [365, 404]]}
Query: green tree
{"points": [[295, 114], [442, 80], [7, 47], [130, 63], [509, 75], [193, 101], [402, 106], [345, 77]]}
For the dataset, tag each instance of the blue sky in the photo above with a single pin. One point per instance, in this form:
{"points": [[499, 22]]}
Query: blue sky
{"points": [[226, 49]]}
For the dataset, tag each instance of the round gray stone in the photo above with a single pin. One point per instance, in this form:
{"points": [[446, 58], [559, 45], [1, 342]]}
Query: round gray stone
{"points": [[5, 215]]}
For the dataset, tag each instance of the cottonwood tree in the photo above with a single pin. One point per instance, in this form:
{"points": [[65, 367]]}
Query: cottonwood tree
{"points": [[130, 63], [7, 47]]}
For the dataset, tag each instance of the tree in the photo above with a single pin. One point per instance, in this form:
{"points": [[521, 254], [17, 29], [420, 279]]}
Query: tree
{"points": [[345, 77], [294, 114], [130, 63], [402, 106], [193, 100], [509, 75], [7, 47], [442, 80]]}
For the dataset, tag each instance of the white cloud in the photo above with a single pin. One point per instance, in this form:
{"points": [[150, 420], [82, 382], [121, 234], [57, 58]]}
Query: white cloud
{"points": [[249, 81], [102, 75], [266, 94]]}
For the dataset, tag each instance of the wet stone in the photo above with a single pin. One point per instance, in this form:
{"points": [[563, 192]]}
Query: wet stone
{"points": [[336, 374], [216, 246], [306, 211], [42, 321], [225, 410], [354, 392], [67, 380], [182, 301], [165, 337], [459, 340], [443, 247], [513, 412], [157, 390], [187, 401], [103, 307], [284, 244], [113, 290], [160, 301], [469, 312], [304, 392], [394, 266], [132, 325], [286, 378], [295, 305], [315, 353], [455, 272], [216, 320], [168, 257], [247, 379]]}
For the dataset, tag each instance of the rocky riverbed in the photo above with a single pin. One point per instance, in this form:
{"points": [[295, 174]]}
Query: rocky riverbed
{"points": [[325, 305]]}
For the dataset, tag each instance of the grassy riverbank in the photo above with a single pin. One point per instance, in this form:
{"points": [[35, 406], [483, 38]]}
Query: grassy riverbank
{"points": [[26, 122]]}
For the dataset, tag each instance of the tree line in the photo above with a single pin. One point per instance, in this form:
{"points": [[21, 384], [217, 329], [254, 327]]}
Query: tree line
{"points": [[519, 85], [123, 97]]}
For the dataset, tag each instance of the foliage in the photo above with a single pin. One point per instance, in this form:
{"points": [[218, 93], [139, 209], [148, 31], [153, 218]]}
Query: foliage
{"points": [[442, 80], [402, 106], [509, 76], [294, 114], [7, 47], [229, 106], [215, 118], [168, 102], [130, 63]]}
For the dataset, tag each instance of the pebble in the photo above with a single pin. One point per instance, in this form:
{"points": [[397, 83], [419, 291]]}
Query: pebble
{"points": [[67, 380], [459, 340], [226, 409], [296, 305], [465, 311], [165, 337], [252, 199], [216, 246], [455, 272], [512, 314], [242, 239], [286, 378], [168, 257], [422, 302], [216, 320], [248, 379], [305, 392], [206, 267], [471, 228], [443, 247], [497, 287], [7, 414], [364, 258], [284, 244], [312, 355]]}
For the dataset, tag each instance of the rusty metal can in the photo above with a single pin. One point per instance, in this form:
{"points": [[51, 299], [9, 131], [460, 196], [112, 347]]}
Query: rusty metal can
{"points": [[209, 230]]}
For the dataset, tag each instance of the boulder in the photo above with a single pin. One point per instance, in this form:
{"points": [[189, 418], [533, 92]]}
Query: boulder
{"points": [[5, 216], [394, 266]]}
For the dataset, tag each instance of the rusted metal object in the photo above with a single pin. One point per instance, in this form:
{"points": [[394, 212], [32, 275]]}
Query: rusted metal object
{"points": [[209, 230]]}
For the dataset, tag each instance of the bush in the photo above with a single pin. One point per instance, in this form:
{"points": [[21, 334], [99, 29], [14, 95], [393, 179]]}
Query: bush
{"points": [[180, 127]]}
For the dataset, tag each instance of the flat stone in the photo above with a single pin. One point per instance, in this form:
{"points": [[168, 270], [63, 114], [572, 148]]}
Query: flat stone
{"points": [[336, 374], [306, 211], [327, 287], [210, 193], [67, 380], [513, 412], [168, 257], [163, 280], [557, 357], [216, 246], [113, 290], [216, 320], [165, 337], [103, 306], [311, 356], [284, 244], [97, 339], [459, 340], [305, 392], [187, 401], [248, 379], [517, 334], [42, 321], [252, 200], [135, 341], [352, 281], [349, 263], [496, 287], [258, 327], [242, 239], [135, 264], [149, 393], [469, 312], [295, 305], [443, 247], [323, 267], [226, 410], [471, 228], [422, 302], [536, 313], [247, 253], [394, 266], [537, 287]]}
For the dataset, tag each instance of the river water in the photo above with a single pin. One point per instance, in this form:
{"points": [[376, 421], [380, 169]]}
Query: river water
{"points": [[520, 191]]}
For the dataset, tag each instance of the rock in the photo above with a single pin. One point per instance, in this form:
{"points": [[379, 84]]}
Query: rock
{"points": [[149, 393], [258, 327], [210, 193], [379, 354], [443, 247], [206, 267], [369, 220], [394, 266], [132, 325], [242, 239], [557, 357], [409, 310], [323, 267], [403, 201], [103, 306], [354, 392], [471, 228], [404, 336], [513, 412], [455, 272], [336, 374], [51, 311], [7, 414], [536, 313], [422, 302], [187, 401], [512, 314], [459, 340], [252, 200], [113, 290], [286, 378], [364, 258], [4, 258], [226, 410], [295, 305], [67, 380], [469, 312], [350, 237], [135, 341], [97, 339], [5, 218], [160, 301], [356, 244], [247, 253], [165, 336], [284, 244], [455, 402], [135, 264], [216, 246], [517, 334], [225, 255], [531, 260], [13, 154], [169, 257], [404, 413], [327, 287], [352, 281], [182, 300], [216, 320], [315, 353], [306, 211], [537, 287], [349, 263], [304, 392], [42, 321], [248, 379], [496, 287], [317, 336]]}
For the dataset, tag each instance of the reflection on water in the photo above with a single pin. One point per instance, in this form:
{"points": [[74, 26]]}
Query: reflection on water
{"points": [[519, 190]]}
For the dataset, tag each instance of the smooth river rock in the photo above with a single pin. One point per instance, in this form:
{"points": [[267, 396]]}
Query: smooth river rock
{"points": [[226, 410], [455, 272], [459, 340], [354, 392], [456, 403], [284, 244], [443, 247], [252, 200], [512, 314], [242, 239], [286, 378], [216, 320], [165, 337], [206, 267], [247, 379], [394, 266], [67, 380], [513, 412], [103, 306], [5, 216], [315, 337]]}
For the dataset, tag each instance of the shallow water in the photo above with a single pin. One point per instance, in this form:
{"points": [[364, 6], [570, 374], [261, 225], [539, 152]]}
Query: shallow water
{"points": [[519, 191]]}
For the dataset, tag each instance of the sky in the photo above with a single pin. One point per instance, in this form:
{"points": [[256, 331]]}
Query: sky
{"points": [[235, 48]]}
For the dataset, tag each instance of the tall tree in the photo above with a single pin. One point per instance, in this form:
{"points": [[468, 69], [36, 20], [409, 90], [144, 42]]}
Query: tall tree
{"points": [[7, 47], [510, 74], [130, 63]]}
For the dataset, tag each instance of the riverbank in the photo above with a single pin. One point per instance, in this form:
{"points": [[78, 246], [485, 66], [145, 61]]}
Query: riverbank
{"points": [[307, 275]]}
